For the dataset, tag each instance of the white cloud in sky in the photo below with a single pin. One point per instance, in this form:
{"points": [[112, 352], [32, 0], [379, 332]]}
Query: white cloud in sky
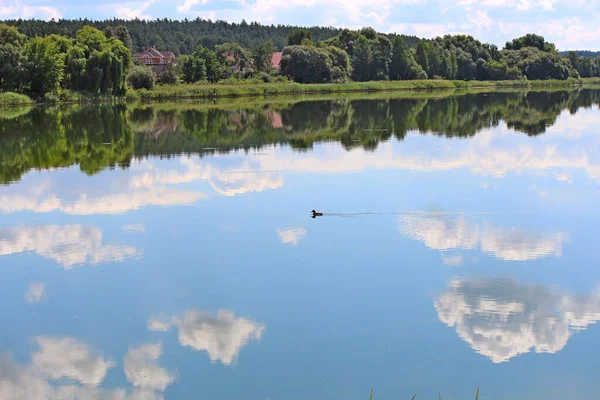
{"points": [[222, 336], [35, 293], [69, 245], [30, 382], [134, 227], [445, 232], [502, 318], [291, 235], [141, 368], [20, 9], [129, 10], [68, 358]]}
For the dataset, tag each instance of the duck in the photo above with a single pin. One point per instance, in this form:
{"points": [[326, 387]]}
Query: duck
{"points": [[316, 214]]}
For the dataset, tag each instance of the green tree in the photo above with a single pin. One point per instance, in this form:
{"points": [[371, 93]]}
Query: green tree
{"points": [[193, 69], [422, 54], [214, 69], [44, 65], [381, 57], [310, 64], [231, 54], [262, 54], [11, 53], [297, 36], [122, 33], [403, 65], [361, 59], [141, 77]]}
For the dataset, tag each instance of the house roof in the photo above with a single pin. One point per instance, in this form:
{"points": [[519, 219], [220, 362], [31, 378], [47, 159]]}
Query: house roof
{"points": [[276, 59], [153, 53]]}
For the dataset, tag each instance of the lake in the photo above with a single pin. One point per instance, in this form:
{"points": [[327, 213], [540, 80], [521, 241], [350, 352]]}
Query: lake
{"points": [[166, 250]]}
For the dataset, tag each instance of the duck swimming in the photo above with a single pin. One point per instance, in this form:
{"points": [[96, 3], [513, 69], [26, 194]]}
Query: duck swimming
{"points": [[316, 214]]}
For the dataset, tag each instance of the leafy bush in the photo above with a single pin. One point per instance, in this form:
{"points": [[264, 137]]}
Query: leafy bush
{"points": [[141, 77], [10, 98], [167, 76]]}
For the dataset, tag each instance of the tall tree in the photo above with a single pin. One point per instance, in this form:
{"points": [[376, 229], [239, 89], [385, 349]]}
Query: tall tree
{"points": [[262, 54], [122, 33], [403, 63], [422, 55], [12, 66], [44, 65], [214, 69], [361, 59]]}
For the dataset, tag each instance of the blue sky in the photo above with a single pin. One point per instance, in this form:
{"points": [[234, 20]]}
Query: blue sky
{"points": [[570, 24]]}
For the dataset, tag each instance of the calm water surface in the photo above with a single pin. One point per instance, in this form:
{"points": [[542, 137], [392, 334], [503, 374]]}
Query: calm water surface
{"points": [[167, 251]]}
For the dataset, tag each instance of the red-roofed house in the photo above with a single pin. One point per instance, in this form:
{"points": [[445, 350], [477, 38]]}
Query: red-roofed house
{"points": [[154, 58], [276, 60]]}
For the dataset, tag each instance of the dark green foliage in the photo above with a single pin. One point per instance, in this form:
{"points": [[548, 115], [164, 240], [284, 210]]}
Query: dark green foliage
{"points": [[529, 40], [193, 69], [422, 55], [122, 33], [12, 68], [168, 76], [141, 77], [370, 53], [362, 58], [261, 55], [214, 69], [309, 64], [297, 36], [403, 65]]}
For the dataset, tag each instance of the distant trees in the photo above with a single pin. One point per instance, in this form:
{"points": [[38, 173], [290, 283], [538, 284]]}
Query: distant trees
{"points": [[298, 37], [98, 61]]}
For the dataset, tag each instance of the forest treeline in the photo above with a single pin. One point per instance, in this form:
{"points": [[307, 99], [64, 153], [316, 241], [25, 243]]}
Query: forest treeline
{"points": [[98, 137], [182, 37], [94, 61]]}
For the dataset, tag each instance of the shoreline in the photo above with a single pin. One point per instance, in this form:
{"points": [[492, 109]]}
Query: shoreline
{"points": [[204, 91]]}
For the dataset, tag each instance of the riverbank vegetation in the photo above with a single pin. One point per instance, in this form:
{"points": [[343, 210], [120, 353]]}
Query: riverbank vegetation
{"points": [[244, 88], [91, 64]]}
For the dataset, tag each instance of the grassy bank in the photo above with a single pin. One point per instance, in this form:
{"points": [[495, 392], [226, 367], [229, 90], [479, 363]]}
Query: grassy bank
{"points": [[13, 99], [208, 91], [245, 90]]}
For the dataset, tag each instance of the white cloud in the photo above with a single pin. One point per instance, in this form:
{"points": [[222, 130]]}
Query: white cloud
{"points": [[142, 370], [29, 383], [453, 261], [69, 245], [564, 177], [60, 358], [17, 9], [452, 232], [42, 12], [222, 335], [189, 4], [134, 227], [118, 203], [227, 182], [35, 293], [501, 319], [291, 235], [130, 10]]}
